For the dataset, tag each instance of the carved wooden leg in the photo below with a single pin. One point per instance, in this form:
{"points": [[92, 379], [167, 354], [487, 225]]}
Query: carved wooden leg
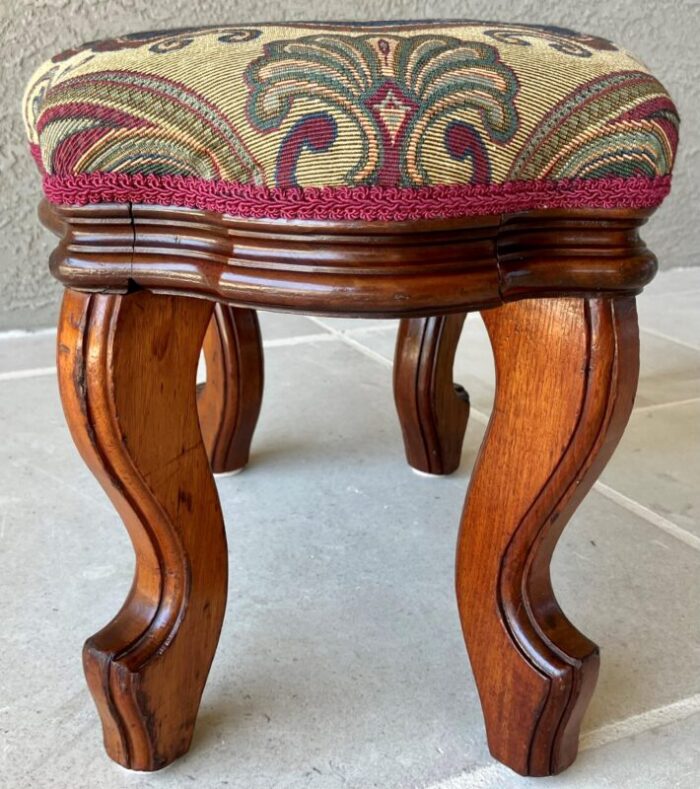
{"points": [[127, 369], [433, 410], [229, 402], [566, 372]]}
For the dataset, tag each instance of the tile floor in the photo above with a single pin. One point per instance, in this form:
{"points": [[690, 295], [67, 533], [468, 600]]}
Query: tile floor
{"points": [[341, 662]]}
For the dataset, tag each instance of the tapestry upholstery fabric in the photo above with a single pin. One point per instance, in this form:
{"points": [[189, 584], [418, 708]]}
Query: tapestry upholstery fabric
{"points": [[378, 121]]}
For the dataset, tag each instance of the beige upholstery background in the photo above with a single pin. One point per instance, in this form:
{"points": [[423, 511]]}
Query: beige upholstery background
{"points": [[663, 33]]}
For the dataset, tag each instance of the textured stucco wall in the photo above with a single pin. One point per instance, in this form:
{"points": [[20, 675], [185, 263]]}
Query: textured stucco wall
{"points": [[663, 33]]}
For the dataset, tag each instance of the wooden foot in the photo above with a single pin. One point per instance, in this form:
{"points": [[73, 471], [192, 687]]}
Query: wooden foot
{"points": [[230, 400], [433, 411], [566, 377], [127, 369]]}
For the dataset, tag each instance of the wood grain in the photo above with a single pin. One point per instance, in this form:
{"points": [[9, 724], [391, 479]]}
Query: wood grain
{"points": [[229, 402], [373, 269], [557, 293], [566, 372], [433, 411], [127, 367]]}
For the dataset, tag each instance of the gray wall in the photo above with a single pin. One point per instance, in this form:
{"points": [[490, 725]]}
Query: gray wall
{"points": [[663, 33]]}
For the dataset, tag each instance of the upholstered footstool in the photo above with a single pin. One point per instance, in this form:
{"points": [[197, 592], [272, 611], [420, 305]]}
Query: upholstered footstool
{"points": [[417, 171]]}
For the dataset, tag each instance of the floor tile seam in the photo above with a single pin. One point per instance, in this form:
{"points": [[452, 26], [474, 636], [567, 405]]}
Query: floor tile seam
{"points": [[30, 372], [626, 502], [356, 345], [299, 339], [645, 409], [23, 334], [281, 342], [607, 734], [649, 515], [377, 356], [361, 330], [669, 338]]}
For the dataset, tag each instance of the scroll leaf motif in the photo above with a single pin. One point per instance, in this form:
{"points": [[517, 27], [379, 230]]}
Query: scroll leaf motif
{"points": [[396, 92], [124, 121], [618, 125]]}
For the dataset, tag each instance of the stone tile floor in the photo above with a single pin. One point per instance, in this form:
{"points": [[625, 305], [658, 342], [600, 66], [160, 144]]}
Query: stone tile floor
{"points": [[341, 663]]}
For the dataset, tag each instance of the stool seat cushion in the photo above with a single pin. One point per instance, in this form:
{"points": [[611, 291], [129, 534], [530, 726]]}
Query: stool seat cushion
{"points": [[373, 121]]}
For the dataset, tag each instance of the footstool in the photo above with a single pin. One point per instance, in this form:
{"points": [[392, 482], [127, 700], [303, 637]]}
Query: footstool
{"points": [[419, 171]]}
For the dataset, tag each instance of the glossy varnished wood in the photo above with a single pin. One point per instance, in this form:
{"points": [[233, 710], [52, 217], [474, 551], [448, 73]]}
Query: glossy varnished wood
{"points": [[127, 367], [230, 400], [566, 372], [556, 289], [385, 269], [433, 411]]}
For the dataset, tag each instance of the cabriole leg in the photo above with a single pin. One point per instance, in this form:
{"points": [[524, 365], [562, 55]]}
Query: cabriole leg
{"points": [[566, 372], [433, 410], [127, 369], [230, 400]]}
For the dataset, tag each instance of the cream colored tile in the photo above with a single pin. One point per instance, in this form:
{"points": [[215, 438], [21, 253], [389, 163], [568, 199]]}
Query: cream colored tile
{"points": [[473, 367], [27, 350], [341, 662], [675, 280], [665, 757], [674, 315], [612, 573], [352, 324], [668, 372], [658, 463], [281, 325]]}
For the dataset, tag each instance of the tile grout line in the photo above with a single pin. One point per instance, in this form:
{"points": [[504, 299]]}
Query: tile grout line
{"points": [[23, 334], [668, 338], [335, 335], [611, 494], [645, 409], [641, 722], [607, 734], [361, 330], [648, 515], [331, 333], [363, 349], [597, 738], [36, 372], [481, 417], [353, 343], [32, 372], [645, 513], [300, 339]]}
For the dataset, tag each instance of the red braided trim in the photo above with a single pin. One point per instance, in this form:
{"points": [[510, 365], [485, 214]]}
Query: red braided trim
{"points": [[358, 202]]}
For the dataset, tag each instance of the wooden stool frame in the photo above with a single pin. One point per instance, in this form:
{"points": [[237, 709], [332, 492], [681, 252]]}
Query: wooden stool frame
{"points": [[146, 286]]}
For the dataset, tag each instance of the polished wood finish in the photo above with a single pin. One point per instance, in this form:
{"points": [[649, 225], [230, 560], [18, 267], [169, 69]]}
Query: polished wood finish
{"points": [[127, 367], [556, 289], [374, 269], [566, 373], [433, 411], [230, 400]]}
